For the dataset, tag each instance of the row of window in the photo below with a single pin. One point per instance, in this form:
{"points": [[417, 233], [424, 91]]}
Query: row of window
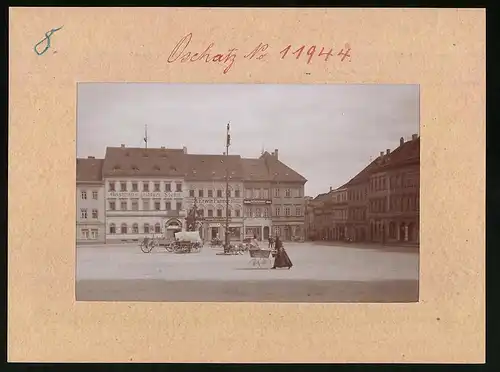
{"points": [[396, 204], [210, 193], [264, 212], [84, 214], [146, 205], [89, 234], [95, 195], [402, 180], [359, 194], [145, 186], [124, 229]]}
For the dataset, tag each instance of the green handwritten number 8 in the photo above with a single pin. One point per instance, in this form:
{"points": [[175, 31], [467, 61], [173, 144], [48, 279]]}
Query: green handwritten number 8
{"points": [[48, 34]]}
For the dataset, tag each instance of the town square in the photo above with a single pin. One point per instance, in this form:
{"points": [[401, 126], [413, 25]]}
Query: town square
{"points": [[162, 215]]}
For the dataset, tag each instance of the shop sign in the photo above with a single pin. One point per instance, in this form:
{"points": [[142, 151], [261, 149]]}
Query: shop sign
{"points": [[257, 201]]}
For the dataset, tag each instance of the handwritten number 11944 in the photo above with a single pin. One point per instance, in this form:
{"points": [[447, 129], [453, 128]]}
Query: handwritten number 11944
{"points": [[314, 51]]}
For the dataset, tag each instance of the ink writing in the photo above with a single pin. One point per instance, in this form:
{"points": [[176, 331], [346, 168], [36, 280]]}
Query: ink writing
{"points": [[46, 39], [315, 52], [179, 53], [183, 53]]}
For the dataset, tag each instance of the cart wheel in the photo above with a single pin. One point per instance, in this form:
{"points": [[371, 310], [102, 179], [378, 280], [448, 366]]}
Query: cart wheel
{"points": [[146, 248]]}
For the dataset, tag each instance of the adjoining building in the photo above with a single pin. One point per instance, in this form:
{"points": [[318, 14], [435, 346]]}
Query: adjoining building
{"points": [[382, 201], [90, 199], [394, 194], [257, 199], [206, 184], [144, 191]]}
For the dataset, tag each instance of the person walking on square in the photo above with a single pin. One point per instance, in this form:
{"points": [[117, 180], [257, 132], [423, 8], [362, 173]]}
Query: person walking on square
{"points": [[282, 259], [270, 242]]}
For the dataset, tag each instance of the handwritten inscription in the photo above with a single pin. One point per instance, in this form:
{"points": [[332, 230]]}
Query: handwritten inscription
{"points": [[179, 53], [314, 51], [46, 39], [183, 54]]}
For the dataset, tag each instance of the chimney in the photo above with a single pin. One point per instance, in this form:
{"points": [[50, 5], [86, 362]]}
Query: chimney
{"points": [[276, 153], [91, 157], [122, 146], [330, 188], [401, 141], [224, 153], [414, 137], [185, 150], [381, 154], [163, 147], [388, 151]]}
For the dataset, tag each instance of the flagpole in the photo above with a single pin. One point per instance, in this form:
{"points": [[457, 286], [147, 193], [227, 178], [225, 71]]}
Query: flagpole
{"points": [[226, 242]]}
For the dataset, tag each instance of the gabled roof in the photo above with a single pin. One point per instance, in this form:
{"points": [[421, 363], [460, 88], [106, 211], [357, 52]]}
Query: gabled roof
{"points": [[279, 171], [213, 167], [89, 169], [135, 161]]}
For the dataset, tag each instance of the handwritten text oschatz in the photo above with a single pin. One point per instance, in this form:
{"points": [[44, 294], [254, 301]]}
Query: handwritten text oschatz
{"points": [[182, 54]]}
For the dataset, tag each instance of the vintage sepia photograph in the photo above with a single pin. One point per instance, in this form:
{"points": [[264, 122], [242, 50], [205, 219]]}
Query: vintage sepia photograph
{"points": [[247, 192]]}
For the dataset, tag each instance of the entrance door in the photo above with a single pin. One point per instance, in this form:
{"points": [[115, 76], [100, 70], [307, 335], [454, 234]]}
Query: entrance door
{"points": [[214, 232], [266, 232]]}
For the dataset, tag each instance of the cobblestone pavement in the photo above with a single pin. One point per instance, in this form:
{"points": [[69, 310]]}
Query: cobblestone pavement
{"points": [[321, 273]]}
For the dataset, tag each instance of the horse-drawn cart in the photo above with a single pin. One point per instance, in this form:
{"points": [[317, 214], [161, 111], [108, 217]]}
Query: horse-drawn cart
{"points": [[187, 242]]}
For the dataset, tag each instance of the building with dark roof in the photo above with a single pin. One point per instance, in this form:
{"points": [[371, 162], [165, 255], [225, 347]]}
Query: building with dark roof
{"points": [[394, 195], [90, 199], [149, 191], [382, 200], [274, 198]]}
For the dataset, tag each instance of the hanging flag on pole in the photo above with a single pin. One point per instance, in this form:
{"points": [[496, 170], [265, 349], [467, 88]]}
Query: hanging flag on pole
{"points": [[228, 136]]}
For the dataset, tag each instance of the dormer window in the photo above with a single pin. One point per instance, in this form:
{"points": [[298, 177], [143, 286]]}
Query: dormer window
{"points": [[127, 154], [145, 154], [135, 168], [156, 168], [172, 168], [116, 167]]}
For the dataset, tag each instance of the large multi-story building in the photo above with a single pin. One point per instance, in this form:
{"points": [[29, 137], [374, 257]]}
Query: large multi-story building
{"points": [[338, 208], [382, 200], [257, 199], [90, 212], [149, 191], [206, 184], [287, 198], [394, 189], [144, 191]]}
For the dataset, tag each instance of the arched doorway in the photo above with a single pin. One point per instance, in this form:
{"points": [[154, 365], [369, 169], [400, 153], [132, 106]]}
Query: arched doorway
{"points": [[171, 227], [266, 232]]}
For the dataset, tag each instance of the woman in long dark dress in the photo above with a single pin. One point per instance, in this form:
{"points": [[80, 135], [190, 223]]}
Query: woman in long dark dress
{"points": [[282, 259]]}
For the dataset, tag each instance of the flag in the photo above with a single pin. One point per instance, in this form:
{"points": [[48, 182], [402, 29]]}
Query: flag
{"points": [[228, 136]]}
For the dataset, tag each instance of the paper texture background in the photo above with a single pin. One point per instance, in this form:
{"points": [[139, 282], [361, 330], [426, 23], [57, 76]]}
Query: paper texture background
{"points": [[442, 50]]}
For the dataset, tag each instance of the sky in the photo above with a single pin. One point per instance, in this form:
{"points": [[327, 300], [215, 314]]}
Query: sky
{"points": [[325, 132]]}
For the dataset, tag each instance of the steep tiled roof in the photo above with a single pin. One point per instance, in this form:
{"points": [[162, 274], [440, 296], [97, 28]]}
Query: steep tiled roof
{"points": [[407, 153], [89, 170], [134, 161], [364, 174], [213, 167], [279, 171], [255, 170]]}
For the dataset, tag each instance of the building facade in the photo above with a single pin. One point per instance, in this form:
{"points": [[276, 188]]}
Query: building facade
{"points": [[149, 191], [207, 188], [145, 193], [338, 207], [90, 211], [380, 204], [308, 218], [394, 195]]}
